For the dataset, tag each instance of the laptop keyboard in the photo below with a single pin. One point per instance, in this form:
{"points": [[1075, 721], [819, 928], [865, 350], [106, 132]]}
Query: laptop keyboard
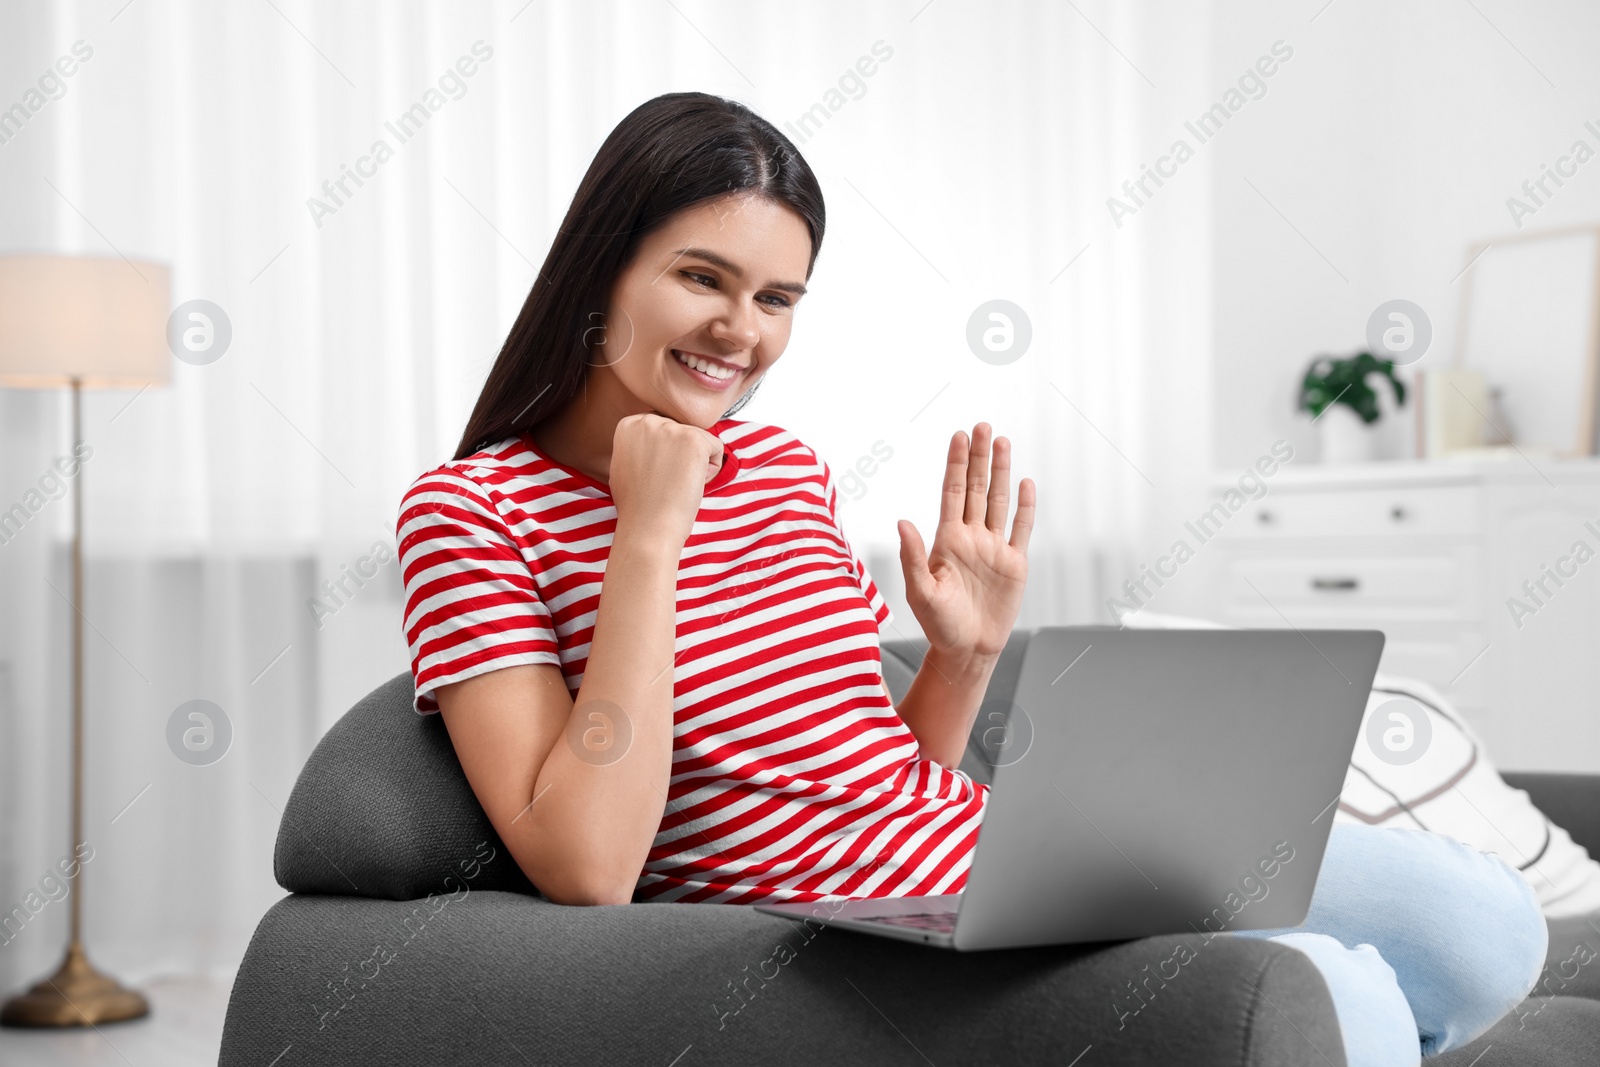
{"points": [[943, 922]]}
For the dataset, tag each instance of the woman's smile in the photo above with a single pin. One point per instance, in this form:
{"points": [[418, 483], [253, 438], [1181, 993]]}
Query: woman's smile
{"points": [[712, 373]]}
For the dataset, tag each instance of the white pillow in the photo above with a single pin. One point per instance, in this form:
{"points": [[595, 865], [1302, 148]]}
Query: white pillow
{"points": [[1418, 763]]}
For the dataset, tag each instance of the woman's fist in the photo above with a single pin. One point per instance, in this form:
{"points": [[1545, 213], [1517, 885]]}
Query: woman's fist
{"points": [[659, 471]]}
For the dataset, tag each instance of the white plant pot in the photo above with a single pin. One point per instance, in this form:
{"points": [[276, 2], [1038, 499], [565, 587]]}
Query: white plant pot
{"points": [[1345, 438]]}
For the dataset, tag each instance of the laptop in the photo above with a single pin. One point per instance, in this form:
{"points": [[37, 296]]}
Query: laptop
{"points": [[1147, 782]]}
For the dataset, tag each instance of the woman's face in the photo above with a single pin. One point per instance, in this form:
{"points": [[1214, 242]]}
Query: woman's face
{"points": [[716, 284]]}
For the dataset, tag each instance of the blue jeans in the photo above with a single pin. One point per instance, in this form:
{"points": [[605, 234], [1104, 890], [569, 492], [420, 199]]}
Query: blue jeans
{"points": [[1424, 942]]}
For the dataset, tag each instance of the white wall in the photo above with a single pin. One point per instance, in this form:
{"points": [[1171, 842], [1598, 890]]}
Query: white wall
{"points": [[1391, 140]]}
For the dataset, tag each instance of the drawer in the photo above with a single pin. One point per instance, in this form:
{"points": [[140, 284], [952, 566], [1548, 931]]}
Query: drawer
{"points": [[1440, 584], [1428, 510]]}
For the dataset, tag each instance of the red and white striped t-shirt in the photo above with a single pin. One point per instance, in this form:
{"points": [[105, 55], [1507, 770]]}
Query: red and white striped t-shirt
{"points": [[793, 778]]}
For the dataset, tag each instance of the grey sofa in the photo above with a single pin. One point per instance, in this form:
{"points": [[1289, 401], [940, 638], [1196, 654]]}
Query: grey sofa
{"points": [[410, 936]]}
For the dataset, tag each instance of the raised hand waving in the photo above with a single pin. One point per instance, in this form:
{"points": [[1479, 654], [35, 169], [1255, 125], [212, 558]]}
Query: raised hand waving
{"points": [[967, 591]]}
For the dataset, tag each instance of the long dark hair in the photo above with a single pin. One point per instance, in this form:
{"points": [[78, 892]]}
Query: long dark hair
{"points": [[669, 153]]}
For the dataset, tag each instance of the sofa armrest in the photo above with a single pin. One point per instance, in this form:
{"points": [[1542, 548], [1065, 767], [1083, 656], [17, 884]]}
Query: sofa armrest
{"points": [[359, 980], [1571, 801]]}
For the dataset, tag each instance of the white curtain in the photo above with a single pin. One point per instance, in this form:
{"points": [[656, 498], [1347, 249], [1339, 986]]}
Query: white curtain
{"points": [[972, 164]]}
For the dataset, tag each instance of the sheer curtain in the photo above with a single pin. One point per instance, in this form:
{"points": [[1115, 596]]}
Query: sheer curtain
{"points": [[237, 520]]}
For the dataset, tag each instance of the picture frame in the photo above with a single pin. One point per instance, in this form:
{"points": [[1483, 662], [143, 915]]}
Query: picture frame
{"points": [[1530, 325]]}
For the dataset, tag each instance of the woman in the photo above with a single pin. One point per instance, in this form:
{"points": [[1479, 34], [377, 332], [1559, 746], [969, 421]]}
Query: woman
{"points": [[710, 722]]}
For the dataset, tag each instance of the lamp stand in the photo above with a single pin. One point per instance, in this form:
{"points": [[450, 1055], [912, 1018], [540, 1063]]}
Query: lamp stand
{"points": [[77, 994]]}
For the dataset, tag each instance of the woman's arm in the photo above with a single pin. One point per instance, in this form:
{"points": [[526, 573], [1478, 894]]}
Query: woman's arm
{"points": [[578, 817], [966, 592], [576, 786], [943, 701]]}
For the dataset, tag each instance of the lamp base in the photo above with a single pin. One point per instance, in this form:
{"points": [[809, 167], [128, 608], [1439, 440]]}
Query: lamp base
{"points": [[76, 995]]}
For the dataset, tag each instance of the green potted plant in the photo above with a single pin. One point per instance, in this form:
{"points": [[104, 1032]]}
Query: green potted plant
{"points": [[1340, 396]]}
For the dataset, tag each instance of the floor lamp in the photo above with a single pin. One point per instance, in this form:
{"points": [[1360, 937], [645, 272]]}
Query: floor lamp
{"points": [[82, 322]]}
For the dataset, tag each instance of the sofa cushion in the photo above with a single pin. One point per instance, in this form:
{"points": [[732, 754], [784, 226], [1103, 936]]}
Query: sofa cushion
{"points": [[1539, 1032], [1572, 963]]}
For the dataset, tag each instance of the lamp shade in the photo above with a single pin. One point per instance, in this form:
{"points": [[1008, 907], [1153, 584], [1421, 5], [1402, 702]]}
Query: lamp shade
{"points": [[101, 319]]}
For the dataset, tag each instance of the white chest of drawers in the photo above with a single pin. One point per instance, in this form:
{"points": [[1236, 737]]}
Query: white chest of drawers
{"points": [[1474, 571]]}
